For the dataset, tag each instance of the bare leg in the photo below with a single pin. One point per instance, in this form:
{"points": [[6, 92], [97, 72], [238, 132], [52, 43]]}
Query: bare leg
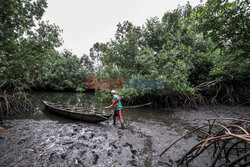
{"points": [[121, 120]]}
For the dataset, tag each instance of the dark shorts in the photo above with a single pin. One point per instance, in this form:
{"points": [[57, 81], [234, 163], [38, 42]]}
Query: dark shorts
{"points": [[116, 113]]}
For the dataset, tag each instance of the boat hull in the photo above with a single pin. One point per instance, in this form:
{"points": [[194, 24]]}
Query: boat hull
{"points": [[85, 117]]}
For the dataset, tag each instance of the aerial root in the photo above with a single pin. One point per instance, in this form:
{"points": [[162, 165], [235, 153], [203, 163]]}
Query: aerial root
{"points": [[230, 142], [14, 105]]}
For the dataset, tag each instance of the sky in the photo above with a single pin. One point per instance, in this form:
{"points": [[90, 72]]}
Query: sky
{"points": [[85, 22]]}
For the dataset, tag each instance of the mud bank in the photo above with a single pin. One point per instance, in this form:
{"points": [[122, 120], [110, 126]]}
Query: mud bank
{"points": [[31, 142]]}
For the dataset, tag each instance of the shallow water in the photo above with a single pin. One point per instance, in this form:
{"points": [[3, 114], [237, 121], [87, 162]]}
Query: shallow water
{"points": [[45, 139]]}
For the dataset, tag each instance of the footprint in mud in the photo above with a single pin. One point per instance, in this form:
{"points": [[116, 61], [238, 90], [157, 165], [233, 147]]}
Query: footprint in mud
{"points": [[128, 144], [63, 156], [96, 157], [21, 141], [82, 137], [91, 136], [134, 152], [73, 134], [105, 136], [109, 153], [75, 128], [120, 133], [113, 144]]}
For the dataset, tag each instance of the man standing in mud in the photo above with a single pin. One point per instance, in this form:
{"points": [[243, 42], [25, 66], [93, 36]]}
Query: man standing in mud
{"points": [[116, 103]]}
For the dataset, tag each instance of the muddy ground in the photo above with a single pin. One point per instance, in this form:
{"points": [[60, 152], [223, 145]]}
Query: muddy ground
{"points": [[30, 142]]}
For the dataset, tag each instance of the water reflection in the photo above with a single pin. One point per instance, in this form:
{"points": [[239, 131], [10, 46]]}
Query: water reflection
{"points": [[171, 118], [181, 120], [88, 100]]}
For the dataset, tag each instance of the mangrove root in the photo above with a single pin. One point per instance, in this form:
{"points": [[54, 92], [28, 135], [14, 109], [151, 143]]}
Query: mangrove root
{"points": [[230, 142]]}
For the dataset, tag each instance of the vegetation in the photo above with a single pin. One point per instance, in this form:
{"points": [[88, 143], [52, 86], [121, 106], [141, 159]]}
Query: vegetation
{"points": [[65, 72], [26, 42], [201, 54], [27, 51]]}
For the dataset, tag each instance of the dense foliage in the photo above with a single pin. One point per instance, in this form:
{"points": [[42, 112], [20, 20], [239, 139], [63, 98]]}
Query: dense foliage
{"points": [[27, 51], [199, 53], [65, 72], [227, 24], [195, 51], [26, 42]]}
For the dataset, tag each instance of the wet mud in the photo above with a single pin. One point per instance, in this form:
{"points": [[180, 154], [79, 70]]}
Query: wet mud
{"points": [[61, 142]]}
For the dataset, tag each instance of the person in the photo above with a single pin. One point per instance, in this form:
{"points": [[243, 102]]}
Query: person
{"points": [[116, 103]]}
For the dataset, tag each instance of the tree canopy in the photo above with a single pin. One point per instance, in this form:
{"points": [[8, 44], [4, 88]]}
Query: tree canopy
{"points": [[26, 42], [187, 48], [197, 52]]}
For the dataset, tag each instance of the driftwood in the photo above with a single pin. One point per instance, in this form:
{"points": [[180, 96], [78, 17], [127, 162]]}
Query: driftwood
{"points": [[225, 139]]}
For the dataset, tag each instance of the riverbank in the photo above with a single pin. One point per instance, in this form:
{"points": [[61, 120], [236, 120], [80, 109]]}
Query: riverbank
{"points": [[52, 141]]}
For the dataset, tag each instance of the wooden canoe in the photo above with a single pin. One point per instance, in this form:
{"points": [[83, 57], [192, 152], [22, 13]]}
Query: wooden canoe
{"points": [[80, 115]]}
